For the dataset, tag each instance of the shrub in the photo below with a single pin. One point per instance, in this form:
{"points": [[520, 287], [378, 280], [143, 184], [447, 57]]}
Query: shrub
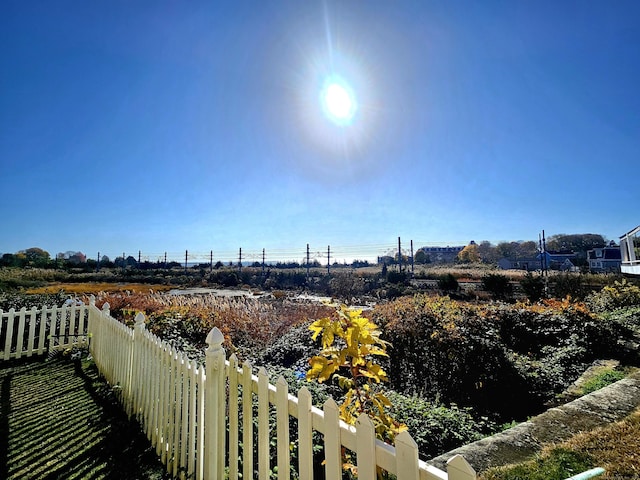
{"points": [[602, 380], [437, 428], [447, 350], [448, 283], [620, 294], [532, 286], [497, 285]]}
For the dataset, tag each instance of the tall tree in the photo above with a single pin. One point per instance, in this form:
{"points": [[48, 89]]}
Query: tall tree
{"points": [[469, 254]]}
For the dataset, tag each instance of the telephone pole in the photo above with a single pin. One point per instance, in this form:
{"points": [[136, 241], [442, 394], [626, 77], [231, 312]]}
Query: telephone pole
{"points": [[328, 259], [412, 258], [399, 256], [307, 262]]}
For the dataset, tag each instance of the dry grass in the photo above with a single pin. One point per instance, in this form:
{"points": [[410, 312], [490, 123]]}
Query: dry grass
{"points": [[97, 288], [616, 448]]}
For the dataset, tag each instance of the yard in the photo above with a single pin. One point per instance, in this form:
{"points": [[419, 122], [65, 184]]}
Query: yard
{"points": [[58, 420]]}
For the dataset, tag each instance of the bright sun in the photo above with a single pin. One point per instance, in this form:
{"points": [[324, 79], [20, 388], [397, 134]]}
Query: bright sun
{"points": [[338, 101]]}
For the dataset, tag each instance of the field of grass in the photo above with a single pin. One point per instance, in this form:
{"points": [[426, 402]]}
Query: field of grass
{"points": [[88, 288]]}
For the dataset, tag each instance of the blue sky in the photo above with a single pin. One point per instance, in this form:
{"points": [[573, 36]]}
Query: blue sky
{"points": [[173, 126]]}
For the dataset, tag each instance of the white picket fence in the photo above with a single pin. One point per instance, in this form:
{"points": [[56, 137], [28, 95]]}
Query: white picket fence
{"points": [[202, 419], [35, 332]]}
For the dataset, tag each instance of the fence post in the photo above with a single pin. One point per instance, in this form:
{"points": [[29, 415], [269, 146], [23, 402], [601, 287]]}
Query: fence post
{"points": [[214, 404]]}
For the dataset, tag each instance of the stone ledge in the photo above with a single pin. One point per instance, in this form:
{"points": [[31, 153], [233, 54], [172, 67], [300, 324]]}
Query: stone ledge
{"points": [[521, 442]]}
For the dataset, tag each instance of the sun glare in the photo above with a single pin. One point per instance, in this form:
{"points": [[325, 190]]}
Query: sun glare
{"points": [[338, 101]]}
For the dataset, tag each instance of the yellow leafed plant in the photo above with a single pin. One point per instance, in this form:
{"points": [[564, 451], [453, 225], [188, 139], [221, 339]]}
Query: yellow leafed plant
{"points": [[350, 343]]}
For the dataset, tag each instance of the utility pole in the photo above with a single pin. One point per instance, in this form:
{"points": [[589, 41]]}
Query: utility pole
{"points": [[263, 262], [240, 260], [98, 262], [165, 260], [411, 258], [211, 261], [138, 259], [186, 257], [328, 259], [307, 262], [399, 256]]}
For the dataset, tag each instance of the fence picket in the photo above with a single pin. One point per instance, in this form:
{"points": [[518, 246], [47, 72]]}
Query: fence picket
{"points": [[9, 337], [20, 339], [233, 417], [366, 448], [332, 446], [43, 329], [247, 421], [459, 469], [263, 425], [406, 457], [305, 435], [193, 408], [282, 428], [32, 331], [186, 413]]}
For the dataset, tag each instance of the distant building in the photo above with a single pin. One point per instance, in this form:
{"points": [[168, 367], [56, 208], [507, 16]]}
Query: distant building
{"points": [[563, 260], [606, 259], [442, 254], [528, 264]]}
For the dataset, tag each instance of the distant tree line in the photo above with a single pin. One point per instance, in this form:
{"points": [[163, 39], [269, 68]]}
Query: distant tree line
{"points": [[483, 252]]}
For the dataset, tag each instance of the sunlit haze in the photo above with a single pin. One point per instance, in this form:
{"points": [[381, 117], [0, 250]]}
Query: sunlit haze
{"points": [[204, 126]]}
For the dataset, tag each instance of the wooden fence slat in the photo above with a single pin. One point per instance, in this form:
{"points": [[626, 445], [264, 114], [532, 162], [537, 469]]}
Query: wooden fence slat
{"points": [[282, 428], [9, 337], [247, 421], [186, 414], [32, 331], [332, 446], [406, 457], [200, 420], [263, 425], [42, 335], [20, 338], [233, 417], [193, 408], [305, 435], [459, 469], [366, 448]]}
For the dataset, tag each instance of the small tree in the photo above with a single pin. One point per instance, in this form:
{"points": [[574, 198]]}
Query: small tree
{"points": [[349, 343]]}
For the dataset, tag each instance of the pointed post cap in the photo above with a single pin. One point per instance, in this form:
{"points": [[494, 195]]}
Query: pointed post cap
{"points": [[106, 307], [92, 300], [139, 320], [215, 339]]}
